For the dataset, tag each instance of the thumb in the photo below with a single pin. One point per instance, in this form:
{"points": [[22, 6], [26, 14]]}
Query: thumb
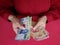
{"points": [[36, 26], [21, 27]]}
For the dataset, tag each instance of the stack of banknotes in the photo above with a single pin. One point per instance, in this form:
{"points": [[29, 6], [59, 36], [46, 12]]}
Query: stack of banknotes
{"points": [[24, 34]]}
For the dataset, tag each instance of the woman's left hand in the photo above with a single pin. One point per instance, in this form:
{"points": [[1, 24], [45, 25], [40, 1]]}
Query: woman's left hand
{"points": [[40, 24]]}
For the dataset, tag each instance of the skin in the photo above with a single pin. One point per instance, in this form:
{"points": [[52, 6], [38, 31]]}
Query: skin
{"points": [[17, 24]]}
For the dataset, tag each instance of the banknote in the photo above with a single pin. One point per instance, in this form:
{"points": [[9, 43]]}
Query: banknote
{"points": [[24, 34], [42, 33]]}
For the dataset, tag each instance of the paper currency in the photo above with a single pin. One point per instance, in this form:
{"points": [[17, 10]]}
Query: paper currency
{"points": [[42, 33], [24, 34]]}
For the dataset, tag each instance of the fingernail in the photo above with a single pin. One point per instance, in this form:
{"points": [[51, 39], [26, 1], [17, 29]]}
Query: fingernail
{"points": [[33, 29]]}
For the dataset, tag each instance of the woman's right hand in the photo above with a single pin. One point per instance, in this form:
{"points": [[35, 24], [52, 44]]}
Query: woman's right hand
{"points": [[16, 24]]}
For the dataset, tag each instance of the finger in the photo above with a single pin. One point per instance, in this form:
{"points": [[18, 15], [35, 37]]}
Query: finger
{"points": [[36, 26], [15, 29], [21, 27]]}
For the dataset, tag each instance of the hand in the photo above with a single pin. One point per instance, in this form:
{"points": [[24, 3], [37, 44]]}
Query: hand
{"points": [[39, 30], [40, 24], [16, 24]]}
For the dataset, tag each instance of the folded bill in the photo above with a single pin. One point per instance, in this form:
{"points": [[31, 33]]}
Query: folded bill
{"points": [[42, 33]]}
